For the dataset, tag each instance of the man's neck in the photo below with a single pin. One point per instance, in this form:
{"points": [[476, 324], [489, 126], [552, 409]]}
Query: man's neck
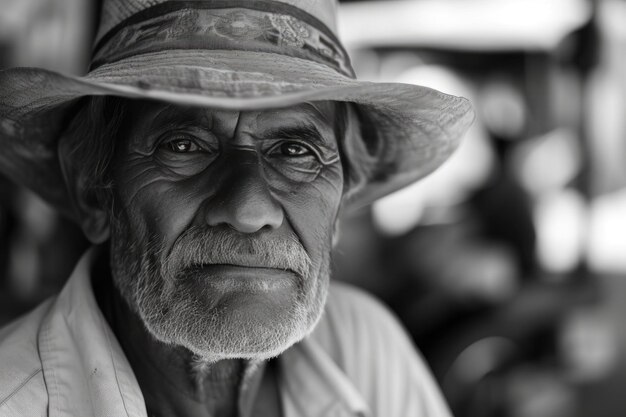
{"points": [[173, 381]]}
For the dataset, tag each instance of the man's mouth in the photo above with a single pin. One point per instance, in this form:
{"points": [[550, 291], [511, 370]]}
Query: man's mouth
{"points": [[260, 276], [249, 268], [235, 276]]}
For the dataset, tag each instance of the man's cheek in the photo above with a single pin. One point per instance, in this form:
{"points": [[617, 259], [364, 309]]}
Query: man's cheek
{"points": [[325, 191], [156, 212], [313, 223]]}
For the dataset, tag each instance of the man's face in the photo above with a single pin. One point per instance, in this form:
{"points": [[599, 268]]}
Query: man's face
{"points": [[222, 223]]}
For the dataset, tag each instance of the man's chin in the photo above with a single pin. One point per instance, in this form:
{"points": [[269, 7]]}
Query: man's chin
{"points": [[247, 327], [235, 317], [257, 351]]}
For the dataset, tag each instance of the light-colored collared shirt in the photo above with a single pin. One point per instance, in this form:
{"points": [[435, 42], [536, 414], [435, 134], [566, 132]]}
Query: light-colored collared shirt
{"points": [[63, 360]]}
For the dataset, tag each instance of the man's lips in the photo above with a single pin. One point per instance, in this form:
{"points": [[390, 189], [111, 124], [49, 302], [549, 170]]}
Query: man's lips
{"points": [[250, 277], [244, 271], [248, 268]]}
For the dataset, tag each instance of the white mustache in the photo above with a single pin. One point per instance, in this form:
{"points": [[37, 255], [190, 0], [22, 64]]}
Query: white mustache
{"points": [[199, 246]]}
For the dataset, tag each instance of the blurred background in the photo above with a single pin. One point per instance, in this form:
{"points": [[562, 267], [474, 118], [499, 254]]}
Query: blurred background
{"points": [[508, 265]]}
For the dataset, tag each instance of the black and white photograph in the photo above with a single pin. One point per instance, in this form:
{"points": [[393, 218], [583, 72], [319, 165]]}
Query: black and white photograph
{"points": [[312, 208]]}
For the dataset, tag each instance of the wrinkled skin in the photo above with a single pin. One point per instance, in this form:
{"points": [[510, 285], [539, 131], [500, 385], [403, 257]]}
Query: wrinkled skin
{"points": [[262, 177]]}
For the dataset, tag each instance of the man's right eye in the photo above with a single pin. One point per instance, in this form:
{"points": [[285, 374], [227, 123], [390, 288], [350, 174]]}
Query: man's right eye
{"points": [[182, 145], [185, 154]]}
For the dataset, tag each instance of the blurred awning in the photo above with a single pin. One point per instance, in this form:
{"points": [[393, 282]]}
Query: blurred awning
{"points": [[14, 16], [52, 34], [474, 25]]}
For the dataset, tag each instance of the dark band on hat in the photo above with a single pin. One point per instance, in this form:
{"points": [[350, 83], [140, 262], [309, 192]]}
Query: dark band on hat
{"points": [[259, 26]]}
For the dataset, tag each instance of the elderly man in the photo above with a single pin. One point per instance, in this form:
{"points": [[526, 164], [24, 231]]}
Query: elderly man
{"points": [[207, 155]]}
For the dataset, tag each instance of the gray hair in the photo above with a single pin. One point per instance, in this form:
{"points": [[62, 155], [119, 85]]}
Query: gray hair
{"points": [[88, 144]]}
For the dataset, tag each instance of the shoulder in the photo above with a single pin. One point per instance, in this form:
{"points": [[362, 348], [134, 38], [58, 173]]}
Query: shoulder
{"points": [[369, 344], [344, 298], [22, 387], [355, 320]]}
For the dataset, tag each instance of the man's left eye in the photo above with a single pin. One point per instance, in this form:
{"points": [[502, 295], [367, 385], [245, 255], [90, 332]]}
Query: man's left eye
{"points": [[294, 149]]}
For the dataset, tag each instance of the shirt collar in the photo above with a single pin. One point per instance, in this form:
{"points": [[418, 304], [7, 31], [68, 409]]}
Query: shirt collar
{"points": [[312, 385], [84, 366], [87, 373]]}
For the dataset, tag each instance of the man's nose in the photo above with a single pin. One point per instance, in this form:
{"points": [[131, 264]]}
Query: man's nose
{"points": [[243, 200]]}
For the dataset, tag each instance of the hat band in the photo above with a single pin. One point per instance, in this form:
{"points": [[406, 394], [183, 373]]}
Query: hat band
{"points": [[224, 25]]}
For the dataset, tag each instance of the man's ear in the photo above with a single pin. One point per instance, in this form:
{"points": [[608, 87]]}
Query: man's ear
{"points": [[89, 204]]}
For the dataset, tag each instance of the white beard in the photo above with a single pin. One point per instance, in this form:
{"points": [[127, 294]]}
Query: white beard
{"points": [[175, 312]]}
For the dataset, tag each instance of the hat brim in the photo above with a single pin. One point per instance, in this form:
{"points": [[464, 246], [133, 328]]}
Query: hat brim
{"points": [[418, 127]]}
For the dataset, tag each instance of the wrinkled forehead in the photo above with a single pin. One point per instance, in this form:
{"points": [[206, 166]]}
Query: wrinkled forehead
{"points": [[324, 115]]}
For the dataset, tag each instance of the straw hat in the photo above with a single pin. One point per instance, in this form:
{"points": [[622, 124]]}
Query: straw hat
{"points": [[235, 54]]}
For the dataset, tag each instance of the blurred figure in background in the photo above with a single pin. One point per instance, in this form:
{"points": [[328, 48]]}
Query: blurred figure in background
{"points": [[498, 291]]}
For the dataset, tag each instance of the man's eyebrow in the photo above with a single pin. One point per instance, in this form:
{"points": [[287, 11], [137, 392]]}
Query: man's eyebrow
{"points": [[305, 131]]}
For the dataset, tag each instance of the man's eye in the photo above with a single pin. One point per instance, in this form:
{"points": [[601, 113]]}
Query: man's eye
{"points": [[294, 149], [182, 146]]}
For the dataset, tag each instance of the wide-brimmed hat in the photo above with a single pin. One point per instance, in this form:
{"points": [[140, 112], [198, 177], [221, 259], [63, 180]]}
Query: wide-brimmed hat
{"points": [[235, 54]]}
